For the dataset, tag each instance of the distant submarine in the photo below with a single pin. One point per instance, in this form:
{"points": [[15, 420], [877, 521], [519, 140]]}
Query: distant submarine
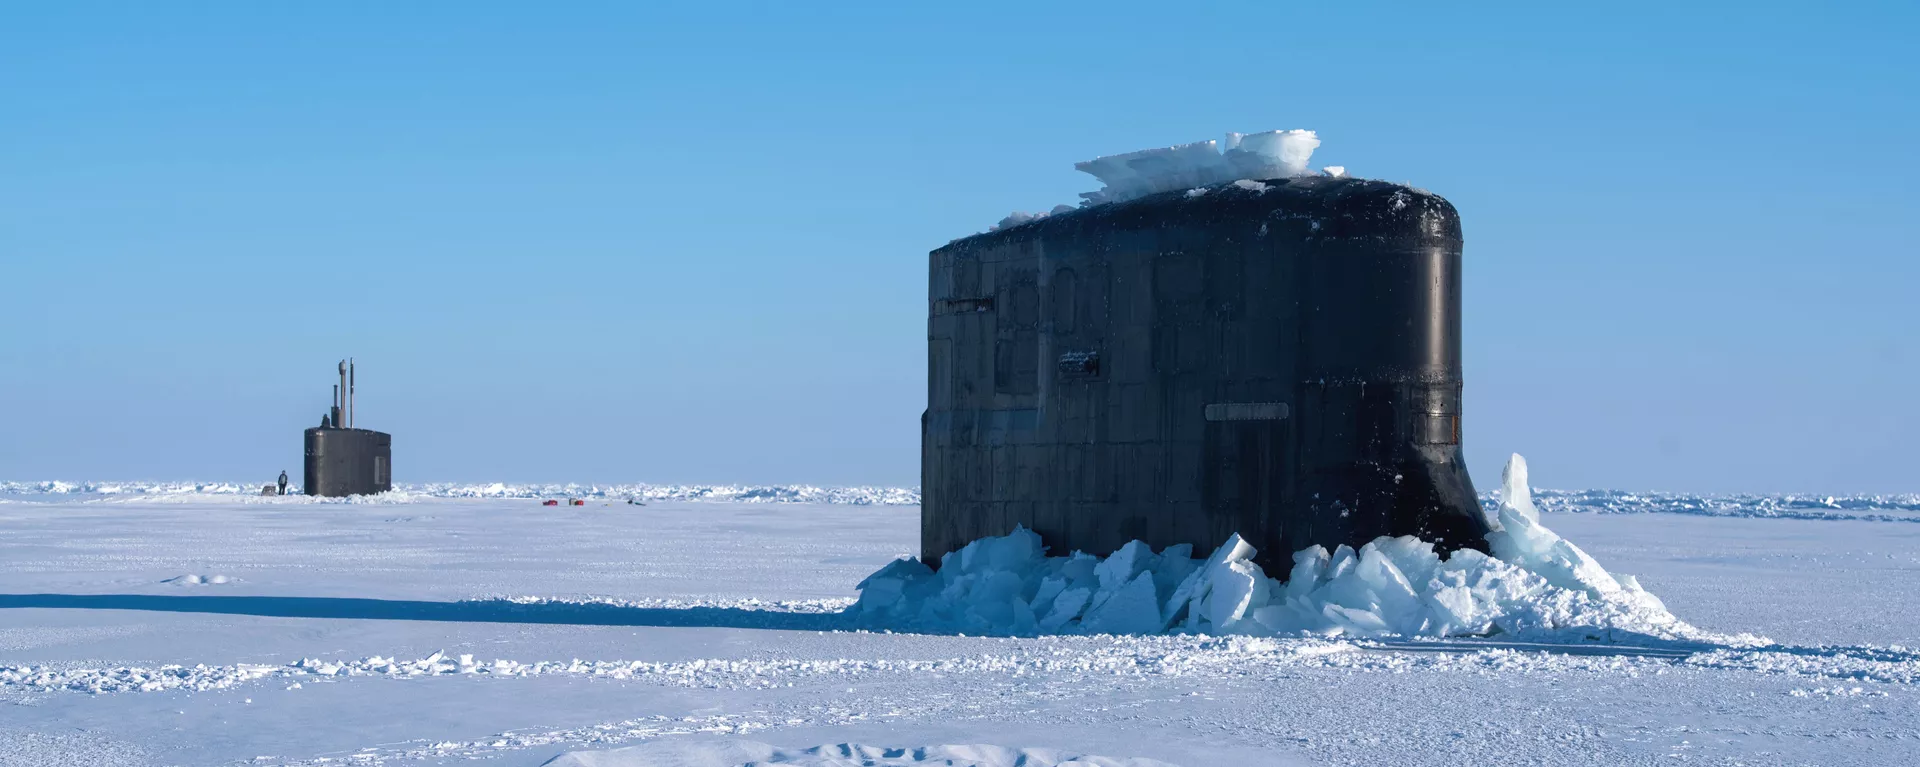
{"points": [[1194, 357], [342, 460]]}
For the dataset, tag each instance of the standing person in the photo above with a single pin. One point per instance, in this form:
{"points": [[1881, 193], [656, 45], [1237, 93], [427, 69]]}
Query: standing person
{"points": [[283, 481]]}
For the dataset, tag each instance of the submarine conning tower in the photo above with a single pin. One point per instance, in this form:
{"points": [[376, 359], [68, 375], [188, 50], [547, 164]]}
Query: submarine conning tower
{"points": [[1278, 359], [342, 460]]}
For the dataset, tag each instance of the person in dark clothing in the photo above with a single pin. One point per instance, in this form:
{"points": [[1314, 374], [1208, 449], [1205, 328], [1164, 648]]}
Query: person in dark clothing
{"points": [[283, 481]]}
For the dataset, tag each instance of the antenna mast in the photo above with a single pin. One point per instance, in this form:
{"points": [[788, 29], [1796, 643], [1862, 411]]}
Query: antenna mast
{"points": [[340, 415]]}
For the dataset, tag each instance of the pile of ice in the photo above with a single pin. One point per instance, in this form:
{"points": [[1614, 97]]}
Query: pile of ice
{"points": [[1535, 585], [1241, 157], [1273, 154]]}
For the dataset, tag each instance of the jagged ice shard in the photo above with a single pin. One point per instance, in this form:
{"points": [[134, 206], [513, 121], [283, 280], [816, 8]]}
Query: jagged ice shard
{"points": [[1535, 585], [1273, 154]]}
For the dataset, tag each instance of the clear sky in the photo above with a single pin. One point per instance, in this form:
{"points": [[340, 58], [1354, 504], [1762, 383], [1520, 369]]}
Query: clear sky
{"points": [[686, 242]]}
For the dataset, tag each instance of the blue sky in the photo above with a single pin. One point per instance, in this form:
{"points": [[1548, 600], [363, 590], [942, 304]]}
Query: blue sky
{"points": [[683, 242]]}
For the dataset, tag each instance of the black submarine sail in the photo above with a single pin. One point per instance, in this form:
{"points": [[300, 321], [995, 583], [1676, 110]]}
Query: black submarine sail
{"points": [[1276, 358], [343, 460]]}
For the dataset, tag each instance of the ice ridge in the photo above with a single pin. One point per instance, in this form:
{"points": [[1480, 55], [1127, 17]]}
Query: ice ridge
{"points": [[1535, 585]]}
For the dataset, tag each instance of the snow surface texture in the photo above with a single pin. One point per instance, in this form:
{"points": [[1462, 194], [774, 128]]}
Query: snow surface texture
{"points": [[148, 491], [1873, 508], [1158, 656], [339, 641], [740, 753], [1536, 586]]}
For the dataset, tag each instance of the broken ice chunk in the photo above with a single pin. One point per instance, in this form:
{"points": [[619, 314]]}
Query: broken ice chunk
{"points": [[1239, 587], [1066, 607], [1120, 568], [1017, 218], [1273, 154], [1131, 610], [1514, 492]]}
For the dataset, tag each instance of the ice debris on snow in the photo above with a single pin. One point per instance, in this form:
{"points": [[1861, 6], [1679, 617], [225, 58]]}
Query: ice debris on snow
{"points": [[1535, 585], [1272, 154], [195, 579], [737, 752], [1065, 656]]}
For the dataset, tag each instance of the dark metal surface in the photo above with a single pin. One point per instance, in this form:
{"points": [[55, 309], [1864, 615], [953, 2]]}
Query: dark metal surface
{"points": [[342, 462], [1283, 363]]}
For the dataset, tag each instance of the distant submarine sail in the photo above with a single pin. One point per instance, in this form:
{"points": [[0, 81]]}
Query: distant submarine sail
{"points": [[342, 460]]}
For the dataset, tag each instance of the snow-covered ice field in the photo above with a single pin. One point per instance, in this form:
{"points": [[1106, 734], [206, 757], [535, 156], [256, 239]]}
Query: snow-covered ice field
{"points": [[210, 629]]}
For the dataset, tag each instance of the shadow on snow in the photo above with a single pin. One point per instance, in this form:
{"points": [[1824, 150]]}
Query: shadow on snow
{"points": [[592, 614], [474, 611]]}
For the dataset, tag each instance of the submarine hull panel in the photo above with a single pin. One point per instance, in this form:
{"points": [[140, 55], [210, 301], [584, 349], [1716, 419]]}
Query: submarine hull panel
{"points": [[1282, 363], [343, 462]]}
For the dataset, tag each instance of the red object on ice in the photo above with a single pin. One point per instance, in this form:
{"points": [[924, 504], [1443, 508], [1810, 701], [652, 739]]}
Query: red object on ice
{"points": [[549, 503], [578, 502]]}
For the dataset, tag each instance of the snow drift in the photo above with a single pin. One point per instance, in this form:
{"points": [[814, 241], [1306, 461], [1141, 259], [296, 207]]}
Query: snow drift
{"points": [[1535, 585]]}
